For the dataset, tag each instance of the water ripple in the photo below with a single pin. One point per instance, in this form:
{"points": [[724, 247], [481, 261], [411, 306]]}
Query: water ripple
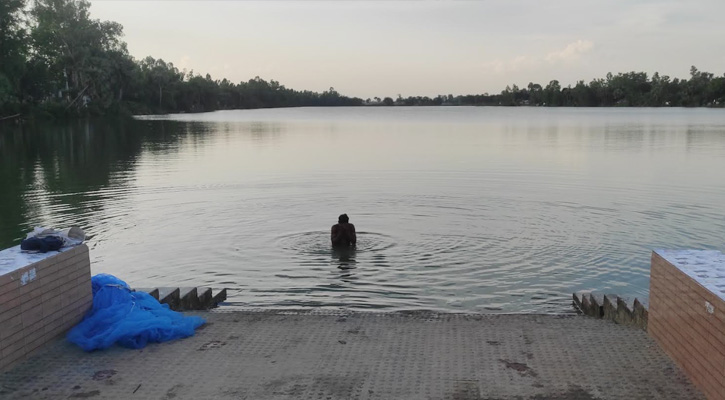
{"points": [[475, 210]]}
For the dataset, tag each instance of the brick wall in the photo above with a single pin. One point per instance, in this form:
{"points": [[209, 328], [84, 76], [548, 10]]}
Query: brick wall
{"points": [[42, 301], [688, 322]]}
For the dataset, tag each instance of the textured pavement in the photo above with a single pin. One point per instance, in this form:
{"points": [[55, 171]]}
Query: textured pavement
{"points": [[339, 355]]}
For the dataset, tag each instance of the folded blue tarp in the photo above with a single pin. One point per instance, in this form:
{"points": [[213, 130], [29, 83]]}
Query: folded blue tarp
{"points": [[131, 319]]}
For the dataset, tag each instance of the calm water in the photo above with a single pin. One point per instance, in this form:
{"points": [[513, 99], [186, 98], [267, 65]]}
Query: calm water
{"points": [[458, 209]]}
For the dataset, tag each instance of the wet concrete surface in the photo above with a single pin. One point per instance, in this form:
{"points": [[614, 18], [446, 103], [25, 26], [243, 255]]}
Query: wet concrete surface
{"points": [[344, 355]]}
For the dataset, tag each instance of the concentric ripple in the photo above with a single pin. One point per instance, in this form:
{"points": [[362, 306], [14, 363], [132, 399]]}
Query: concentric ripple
{"points": [[318, 242]]}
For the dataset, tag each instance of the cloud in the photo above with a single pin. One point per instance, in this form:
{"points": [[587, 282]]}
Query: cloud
{"points": [[571, 52]]}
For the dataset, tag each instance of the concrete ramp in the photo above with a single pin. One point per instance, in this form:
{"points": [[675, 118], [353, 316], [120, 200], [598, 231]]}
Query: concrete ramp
{"points": [[334, 355]]}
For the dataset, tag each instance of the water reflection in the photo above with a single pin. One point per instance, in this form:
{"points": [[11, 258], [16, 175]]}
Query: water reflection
{"points": [[466, 209], [66, 173], [345, 256]]}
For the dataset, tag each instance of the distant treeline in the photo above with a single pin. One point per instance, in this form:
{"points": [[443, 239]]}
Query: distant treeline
{"points": [[56, 60], [631, 89]]}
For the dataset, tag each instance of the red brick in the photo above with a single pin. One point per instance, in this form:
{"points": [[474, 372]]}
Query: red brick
{"points": [[683, 310], [10, 300], [699, 374], [72, 319], [11, 358], [42, 266], [12, 345], [32, 347], [13, 278], [10, 326], [49, 294], [54, 323], [696, 305], [84, 282], [71, 265], [9, 286], [52, 306], [31, 300], [704, 330], [7, 280], [30, 287], [34, 331], [32, 316], [680, 324], [13, 338], [671, 283]]}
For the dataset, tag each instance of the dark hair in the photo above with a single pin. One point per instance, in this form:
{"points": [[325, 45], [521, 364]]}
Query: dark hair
{"points": [[342, 219]]}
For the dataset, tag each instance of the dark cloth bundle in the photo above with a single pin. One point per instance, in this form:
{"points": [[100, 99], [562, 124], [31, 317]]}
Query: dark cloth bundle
{"points": [[43, 245]]}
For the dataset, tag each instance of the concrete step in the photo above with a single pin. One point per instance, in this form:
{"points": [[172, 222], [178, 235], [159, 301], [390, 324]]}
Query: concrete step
{"points": [[187, 298], [170, 296], [204, 295], [622, 310]]}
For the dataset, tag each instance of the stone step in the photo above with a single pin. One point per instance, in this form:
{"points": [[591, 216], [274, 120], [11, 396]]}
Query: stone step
{"points": [[622, 310], [204, 296], [187, 298], [220, 296], [170, 296]]}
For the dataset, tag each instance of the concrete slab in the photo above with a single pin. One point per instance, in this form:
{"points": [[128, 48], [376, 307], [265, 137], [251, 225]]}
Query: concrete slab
{"points": [[340, 355]]}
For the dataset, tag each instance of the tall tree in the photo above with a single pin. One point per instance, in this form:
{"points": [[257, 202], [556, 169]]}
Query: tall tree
{"points": [[76, 49], [13, 53]]}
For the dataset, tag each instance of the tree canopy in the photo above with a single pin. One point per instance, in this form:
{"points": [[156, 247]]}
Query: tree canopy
{"points": [[57, 59], [630, 89]]}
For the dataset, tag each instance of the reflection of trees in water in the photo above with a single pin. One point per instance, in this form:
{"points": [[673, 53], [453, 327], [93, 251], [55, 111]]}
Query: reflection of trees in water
{"points": [[263, 131], [67, 165]]}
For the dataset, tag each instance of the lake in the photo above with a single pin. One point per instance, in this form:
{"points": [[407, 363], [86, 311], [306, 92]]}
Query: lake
{"points": [[458, 209]]}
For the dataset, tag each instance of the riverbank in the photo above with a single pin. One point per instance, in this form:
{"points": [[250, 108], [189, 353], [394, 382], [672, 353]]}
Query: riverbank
{"points": [[342, 355]]}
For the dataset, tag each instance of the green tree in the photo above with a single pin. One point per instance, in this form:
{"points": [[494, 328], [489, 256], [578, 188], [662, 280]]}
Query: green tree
{"points": [[583, 95], [552, 94], [161, 80], [507, 97], [80, 53], [535, 94], [13, 54]]}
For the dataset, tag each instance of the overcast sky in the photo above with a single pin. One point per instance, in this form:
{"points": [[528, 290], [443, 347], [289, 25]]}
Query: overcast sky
{"points": [[383, 48]]}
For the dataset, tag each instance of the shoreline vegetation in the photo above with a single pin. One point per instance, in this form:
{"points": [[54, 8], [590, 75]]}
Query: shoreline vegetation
{"points": [[55, 61]]}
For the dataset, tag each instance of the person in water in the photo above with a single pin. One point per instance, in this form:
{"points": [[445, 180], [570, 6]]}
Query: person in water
{"points": [[343, 233]]}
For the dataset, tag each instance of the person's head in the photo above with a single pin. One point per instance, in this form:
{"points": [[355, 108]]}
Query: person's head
{"points": [[343, 219]]}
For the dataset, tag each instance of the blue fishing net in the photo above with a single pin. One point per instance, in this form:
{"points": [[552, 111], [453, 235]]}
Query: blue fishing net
{"points": [[131, 319]]}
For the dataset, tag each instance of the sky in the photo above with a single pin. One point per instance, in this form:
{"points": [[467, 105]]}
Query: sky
{"points": [[423, 48]]}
